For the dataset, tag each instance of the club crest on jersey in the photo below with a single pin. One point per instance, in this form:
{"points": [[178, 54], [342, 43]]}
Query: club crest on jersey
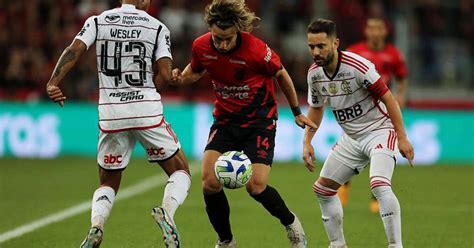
{"points": [[332, 88], [346, 87], [112, 18]]}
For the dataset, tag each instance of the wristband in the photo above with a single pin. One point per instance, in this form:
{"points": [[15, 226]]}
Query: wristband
{"points": [[296, 110]]}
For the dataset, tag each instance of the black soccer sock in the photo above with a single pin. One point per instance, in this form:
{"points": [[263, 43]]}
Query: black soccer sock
{"points": [[218, 211], [272, 202]]}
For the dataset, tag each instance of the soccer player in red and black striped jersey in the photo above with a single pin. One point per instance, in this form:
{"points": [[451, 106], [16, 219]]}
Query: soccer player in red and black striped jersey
{"points": [[242, 69]]}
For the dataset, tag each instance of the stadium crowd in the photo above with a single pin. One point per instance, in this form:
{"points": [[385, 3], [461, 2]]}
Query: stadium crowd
{"points": [[34, 32]]}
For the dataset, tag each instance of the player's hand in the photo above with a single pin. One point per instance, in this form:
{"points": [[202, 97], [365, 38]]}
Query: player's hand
{"points": [[55, 94], [406, 149], [176, 77], [308, 156], [302, 121]]}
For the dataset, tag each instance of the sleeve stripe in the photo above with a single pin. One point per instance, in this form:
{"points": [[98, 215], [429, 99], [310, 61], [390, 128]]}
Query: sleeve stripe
{"points": [[96, 28], [355, 61], [353, 65], [155, 46]]}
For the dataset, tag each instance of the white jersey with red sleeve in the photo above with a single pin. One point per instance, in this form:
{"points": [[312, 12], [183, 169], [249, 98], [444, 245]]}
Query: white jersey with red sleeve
{"points": [[353, 93], [128, 42]]}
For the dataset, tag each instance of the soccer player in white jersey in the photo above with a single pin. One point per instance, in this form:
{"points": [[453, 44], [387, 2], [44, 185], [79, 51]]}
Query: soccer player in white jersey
{"points": [[134, 60], [373, 127]]}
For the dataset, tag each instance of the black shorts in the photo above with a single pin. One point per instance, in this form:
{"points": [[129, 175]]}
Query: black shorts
{"points": [[257, 143]]}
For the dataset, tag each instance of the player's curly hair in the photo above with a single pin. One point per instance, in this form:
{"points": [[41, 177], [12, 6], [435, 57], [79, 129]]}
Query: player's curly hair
{"points": [[228, 13]]}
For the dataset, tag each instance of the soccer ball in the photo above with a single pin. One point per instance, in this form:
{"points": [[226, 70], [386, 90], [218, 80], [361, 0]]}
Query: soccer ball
{"points": [[233, 169]]}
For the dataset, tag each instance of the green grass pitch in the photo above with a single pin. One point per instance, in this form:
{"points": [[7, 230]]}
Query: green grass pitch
{"points": [[437, 207]]}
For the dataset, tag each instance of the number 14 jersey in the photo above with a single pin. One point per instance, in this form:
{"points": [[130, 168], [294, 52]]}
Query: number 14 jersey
{"points": [[128, 42]]}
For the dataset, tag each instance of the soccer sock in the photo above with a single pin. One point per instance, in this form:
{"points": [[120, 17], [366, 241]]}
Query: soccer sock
{"points": [[331, 209], [218, 211], [102, 203], [389, 211], [176, 191], [272, 202]]}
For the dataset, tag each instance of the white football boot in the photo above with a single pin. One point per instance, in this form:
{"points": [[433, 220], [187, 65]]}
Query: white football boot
{"points": [[226, 244], [167, 226], [93, 238], [296, 234]]}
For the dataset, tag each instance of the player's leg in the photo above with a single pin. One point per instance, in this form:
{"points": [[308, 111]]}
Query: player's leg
{"points": [[343, 162], [114, 150], [259, 147], [221, 139], [381, 170], [162, 146], [333, 175], [382, 149]]}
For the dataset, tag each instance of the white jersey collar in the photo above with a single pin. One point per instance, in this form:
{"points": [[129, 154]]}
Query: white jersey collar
{"points": [[129, 6]]}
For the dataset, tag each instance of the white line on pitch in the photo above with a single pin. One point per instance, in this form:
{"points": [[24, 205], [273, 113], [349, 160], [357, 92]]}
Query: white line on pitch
{"points": [[84, 206]]}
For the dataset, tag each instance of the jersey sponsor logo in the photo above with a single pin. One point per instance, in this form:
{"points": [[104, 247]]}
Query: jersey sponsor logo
{"points": [[314, 96], [346, 87], [111, 159], [333, 88], [130, 20], [240, 62], [153, 152], [317, 77], [348, 113], [83, 30], [207, 56], [112, 18], [366, 83], [125, 34], [343, 74], [239, 92], [127, 96], [268, 57]]}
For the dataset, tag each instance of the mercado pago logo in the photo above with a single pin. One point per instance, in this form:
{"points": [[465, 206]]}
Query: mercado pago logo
{"points": [[23, 135]]}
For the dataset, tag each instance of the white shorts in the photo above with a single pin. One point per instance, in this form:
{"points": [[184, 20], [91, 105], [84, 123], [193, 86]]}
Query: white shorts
{"points": [[115, 148], [354, 155]]}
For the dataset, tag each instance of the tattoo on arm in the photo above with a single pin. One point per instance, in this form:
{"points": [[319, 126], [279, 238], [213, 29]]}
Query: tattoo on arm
{"points": [[67, 57]]}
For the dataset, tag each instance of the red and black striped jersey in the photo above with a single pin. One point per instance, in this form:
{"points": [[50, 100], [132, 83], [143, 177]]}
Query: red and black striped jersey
{"points": [[242, 80]]}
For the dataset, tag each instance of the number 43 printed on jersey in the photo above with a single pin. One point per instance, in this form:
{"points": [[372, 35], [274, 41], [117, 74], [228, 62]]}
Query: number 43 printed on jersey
{"points": [[122, 51]]}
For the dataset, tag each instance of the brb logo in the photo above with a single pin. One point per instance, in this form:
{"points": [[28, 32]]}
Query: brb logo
{"points": [[110, 159], [348, 113], [156, 152]]}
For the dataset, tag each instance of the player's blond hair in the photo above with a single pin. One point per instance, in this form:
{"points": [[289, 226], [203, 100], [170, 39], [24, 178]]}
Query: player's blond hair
{"points": [[228, 13]]}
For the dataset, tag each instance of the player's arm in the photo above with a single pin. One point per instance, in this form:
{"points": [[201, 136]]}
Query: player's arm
{"points": [[395, 114], [187, 76], [66, 62], [162, 72], [286, 85], [402, 85], [315, 114]]}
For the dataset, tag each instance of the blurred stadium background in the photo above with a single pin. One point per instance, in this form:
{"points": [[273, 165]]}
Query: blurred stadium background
{"points": [[47, 153]]}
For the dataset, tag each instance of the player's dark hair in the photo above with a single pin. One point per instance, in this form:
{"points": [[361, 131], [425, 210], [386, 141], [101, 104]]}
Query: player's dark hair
{"points": [[323, 26], [228, 13]]}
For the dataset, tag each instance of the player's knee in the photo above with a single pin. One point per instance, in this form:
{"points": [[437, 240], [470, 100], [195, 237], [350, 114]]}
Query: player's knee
{"points": [[255, 187], [323, 191], [210, 185], [380, 186]]}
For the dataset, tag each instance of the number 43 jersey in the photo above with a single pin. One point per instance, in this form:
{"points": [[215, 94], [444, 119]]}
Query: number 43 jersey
{"points": [[353, 92], [128, 42]]}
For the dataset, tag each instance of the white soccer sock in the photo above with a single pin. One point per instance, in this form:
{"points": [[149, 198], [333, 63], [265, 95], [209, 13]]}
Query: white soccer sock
{"points": [[176, 191], [102, 203], [390, 214], [332, 214]]}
